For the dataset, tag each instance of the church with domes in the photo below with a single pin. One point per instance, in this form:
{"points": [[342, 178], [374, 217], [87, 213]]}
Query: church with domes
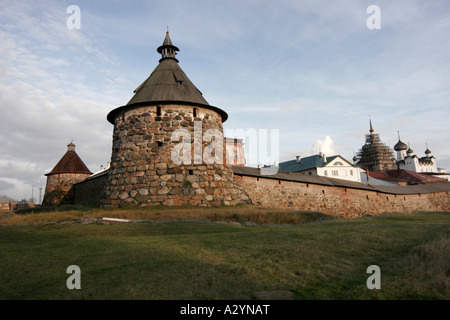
{"points": [[406, 160]]}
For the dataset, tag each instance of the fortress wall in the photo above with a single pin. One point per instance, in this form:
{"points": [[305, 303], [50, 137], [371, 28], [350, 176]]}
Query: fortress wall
{"points": [[58, 190], [278, 193], [88, 192], [347, 202]]}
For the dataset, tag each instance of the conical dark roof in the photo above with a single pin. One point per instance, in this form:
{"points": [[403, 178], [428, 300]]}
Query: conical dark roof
{"points": [[70, 163], [167, 84]]}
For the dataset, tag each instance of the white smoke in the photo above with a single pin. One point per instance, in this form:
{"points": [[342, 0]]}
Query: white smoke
{"points": [[326, 146]]}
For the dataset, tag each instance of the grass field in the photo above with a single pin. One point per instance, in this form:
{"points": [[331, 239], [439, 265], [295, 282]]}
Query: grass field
{"points": [[324, 259]]}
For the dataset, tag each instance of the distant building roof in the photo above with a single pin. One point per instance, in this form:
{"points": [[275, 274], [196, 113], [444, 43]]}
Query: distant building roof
{"points": [[5, 199], [70, 163], [167, 84], [382, 175], [410, 177], [306, 163]]}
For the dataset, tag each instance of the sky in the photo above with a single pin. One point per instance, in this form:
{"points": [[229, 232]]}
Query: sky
{"points": [[312, 70]]}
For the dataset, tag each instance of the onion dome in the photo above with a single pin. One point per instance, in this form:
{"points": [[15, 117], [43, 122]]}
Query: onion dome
{"points": [[409, 151], [400, 146]]}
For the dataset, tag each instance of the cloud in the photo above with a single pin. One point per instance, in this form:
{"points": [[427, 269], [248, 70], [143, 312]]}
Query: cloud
{"points": [[46, 94], [5, 186], [326, 146], [18, 189]]}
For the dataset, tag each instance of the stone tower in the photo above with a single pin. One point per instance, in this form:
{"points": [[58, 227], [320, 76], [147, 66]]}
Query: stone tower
{"points": [[68, 171], [167, 144]]}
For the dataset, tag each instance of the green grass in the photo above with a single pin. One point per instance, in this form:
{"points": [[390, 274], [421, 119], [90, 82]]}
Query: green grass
{"points": [[192, 260], [239, 213]]}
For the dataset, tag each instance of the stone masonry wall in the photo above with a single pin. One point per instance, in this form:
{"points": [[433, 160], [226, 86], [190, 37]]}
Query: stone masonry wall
{"points": [[142, 172], [88, 192], [58, 190], [338, 201]]}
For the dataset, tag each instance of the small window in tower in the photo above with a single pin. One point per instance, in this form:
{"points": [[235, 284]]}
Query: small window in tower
{"points": [[158, 111], [178, 77], [159, 144], [191, 172], [195, 112]]}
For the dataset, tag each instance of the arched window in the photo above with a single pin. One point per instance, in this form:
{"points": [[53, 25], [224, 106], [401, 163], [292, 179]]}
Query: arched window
{"points": [[337, 163]]}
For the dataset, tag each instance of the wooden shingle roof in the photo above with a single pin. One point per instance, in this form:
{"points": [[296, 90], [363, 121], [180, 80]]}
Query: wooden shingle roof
{"points": [[70, 163], [167, 84]]}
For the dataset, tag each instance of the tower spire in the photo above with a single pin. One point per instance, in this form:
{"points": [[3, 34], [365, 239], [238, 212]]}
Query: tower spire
{"points": [[167, 49], [371, 128]]}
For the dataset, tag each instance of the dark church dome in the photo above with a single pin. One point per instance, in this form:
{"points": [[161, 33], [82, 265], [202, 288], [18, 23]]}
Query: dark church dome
{"points": [[400, 146]]}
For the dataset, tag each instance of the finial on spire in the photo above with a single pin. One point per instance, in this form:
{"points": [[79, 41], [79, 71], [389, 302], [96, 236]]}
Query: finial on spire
{"points": [[167, 32], [371, 128]]}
